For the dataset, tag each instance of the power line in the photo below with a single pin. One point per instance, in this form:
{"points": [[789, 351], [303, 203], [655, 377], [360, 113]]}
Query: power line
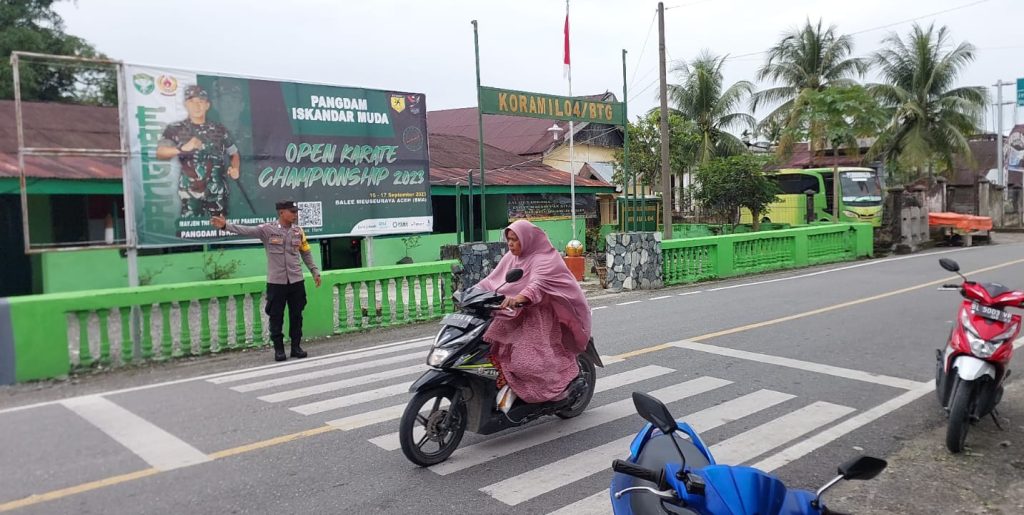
{"points": [[879, 27], [644, 49], [936, 13], [698, 2]]}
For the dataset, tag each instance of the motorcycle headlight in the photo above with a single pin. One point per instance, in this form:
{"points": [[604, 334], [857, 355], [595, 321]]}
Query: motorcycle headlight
{"points": [[979, 346], [438, 356]]}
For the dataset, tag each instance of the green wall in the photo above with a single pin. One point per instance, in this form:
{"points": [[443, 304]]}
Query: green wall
{"points": [[387, 250], [98, 269]]}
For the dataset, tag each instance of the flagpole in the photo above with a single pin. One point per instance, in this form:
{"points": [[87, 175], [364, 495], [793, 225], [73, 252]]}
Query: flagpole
{"points": [[572, 164]]}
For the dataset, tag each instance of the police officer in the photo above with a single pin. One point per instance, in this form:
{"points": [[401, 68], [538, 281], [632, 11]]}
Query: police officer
{"points": [[285, 242], [201, 146]]}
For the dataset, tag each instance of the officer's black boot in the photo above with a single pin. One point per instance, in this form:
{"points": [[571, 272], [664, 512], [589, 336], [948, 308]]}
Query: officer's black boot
{"points": [[297, 351], [279, 351]]}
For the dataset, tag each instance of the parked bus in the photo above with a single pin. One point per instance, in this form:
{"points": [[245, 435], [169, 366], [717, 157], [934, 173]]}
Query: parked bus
{"points": [[861, 196]]}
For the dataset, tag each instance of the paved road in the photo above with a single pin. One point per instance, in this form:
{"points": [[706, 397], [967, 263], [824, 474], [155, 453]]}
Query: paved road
{"points": [[791, 372]]}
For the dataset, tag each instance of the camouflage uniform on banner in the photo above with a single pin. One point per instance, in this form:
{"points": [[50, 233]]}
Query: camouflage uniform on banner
{"points": [[203, 183]]}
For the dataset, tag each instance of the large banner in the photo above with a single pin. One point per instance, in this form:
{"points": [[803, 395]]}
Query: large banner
{"points": [[354, 160], [550, 206]]}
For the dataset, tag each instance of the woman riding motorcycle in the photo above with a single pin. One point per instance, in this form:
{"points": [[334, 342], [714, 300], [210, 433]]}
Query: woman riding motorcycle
{"points": [[535, 349]]}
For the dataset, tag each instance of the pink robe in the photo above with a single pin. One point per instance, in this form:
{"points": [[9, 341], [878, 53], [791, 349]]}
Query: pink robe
{"points": [[536, 347]]}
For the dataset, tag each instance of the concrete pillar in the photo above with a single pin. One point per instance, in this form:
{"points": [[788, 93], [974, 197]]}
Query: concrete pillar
{"points": [[983, 198], [997, 196], [944, 191]]}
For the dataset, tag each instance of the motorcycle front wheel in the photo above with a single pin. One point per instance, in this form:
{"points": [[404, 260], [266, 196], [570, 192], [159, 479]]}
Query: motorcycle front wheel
{"points": [[960, 407], [432, 427]]}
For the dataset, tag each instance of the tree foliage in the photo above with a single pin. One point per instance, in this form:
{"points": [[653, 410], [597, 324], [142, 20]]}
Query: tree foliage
{"points": [[931, 118], [645, 148], [727, 184], [34, 26], [839, 114], [714, 109], [807, 59]]}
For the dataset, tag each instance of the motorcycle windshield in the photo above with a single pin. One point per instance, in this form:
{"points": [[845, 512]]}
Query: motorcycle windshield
{"points": [[745, 490]]}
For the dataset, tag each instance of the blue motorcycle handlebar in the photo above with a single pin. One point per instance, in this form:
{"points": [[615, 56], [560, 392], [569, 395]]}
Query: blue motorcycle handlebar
{"points": [[631, 469]]}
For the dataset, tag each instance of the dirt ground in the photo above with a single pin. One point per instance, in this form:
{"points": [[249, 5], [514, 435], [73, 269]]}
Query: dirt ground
{"points": [[924, 477]]}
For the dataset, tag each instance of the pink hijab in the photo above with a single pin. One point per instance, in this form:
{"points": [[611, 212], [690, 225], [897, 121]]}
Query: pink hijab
{"points": [[546, 277]]}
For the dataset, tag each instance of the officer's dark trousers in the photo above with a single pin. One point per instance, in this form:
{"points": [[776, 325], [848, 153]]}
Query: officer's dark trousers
{"points": [[294, 296]]}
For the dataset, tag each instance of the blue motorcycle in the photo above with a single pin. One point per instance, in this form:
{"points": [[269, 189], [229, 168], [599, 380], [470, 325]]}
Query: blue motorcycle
{"points": [[668, 473]]}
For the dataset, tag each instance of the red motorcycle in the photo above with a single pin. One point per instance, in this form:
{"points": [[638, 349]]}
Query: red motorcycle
{"points": [[970, 373]]}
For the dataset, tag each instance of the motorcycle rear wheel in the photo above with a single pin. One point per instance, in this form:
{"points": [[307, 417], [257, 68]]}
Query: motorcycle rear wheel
{"points": [[960, 406], [589, 374], [420, 430]]}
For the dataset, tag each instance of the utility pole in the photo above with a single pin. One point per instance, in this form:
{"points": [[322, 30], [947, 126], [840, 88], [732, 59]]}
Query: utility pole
{"points": [[666, 184], [999, 131], [1004, 173]]}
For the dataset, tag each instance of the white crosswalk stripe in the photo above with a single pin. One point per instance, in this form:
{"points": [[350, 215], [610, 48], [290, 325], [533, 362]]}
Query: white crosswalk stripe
{"points": [[336, 371], [319, 362], [350, 400], [345, 383], [761, 439]]}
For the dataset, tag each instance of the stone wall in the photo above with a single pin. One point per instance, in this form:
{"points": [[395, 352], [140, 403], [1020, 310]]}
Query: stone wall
{"points": [[904, 220], [634, 261], [478, 259]]}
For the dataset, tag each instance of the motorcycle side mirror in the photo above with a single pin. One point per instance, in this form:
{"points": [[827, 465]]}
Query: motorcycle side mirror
{"points": [[862, 468], [949, 265], [653, 411], [514, 275]]}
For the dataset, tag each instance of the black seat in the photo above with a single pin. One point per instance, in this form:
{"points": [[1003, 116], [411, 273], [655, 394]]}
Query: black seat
{"points": [[659, 451], [995, 289]]}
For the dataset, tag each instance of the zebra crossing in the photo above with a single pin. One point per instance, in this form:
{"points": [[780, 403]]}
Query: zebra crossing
{"points": [[365, 392]]}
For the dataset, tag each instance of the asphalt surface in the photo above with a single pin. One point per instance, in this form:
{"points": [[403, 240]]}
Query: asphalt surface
{"points": [[816, 366]]}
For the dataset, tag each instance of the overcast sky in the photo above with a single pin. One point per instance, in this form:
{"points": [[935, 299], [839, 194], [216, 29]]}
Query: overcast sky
{"points": [[427, 45]]}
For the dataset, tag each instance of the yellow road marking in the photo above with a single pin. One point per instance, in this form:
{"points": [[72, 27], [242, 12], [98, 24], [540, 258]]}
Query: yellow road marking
{"points": [[84, 487], [124, 478], [757, 325], [271, 442]]}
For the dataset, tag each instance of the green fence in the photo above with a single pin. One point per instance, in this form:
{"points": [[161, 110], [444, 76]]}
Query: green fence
{"points": [[696, 259], [55, 334]]}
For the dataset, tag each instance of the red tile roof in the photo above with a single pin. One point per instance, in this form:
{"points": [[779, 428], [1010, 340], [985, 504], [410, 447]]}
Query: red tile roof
{"points": [[55, 125], [801, 158], [516, 134]]}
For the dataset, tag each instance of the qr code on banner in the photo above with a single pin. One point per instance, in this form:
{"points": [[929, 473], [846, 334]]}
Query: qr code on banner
{"points": [[311, 214]]}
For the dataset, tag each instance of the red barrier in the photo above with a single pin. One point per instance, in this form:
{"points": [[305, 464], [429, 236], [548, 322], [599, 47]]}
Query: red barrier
{"points": [[969, 223]]}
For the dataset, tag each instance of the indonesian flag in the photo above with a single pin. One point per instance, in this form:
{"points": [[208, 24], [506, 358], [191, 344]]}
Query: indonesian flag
{"points": [[565, 72]]}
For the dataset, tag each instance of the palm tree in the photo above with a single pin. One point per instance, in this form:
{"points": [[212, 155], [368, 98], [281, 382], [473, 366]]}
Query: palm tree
{"points": [[713, 109], [806, 59], [930, 118]]}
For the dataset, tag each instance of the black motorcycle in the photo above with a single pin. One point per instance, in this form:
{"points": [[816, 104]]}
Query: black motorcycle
{"points": [[459, 391]]}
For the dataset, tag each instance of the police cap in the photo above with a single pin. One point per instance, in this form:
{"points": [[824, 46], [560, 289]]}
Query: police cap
{"points": [[287, 204]]}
